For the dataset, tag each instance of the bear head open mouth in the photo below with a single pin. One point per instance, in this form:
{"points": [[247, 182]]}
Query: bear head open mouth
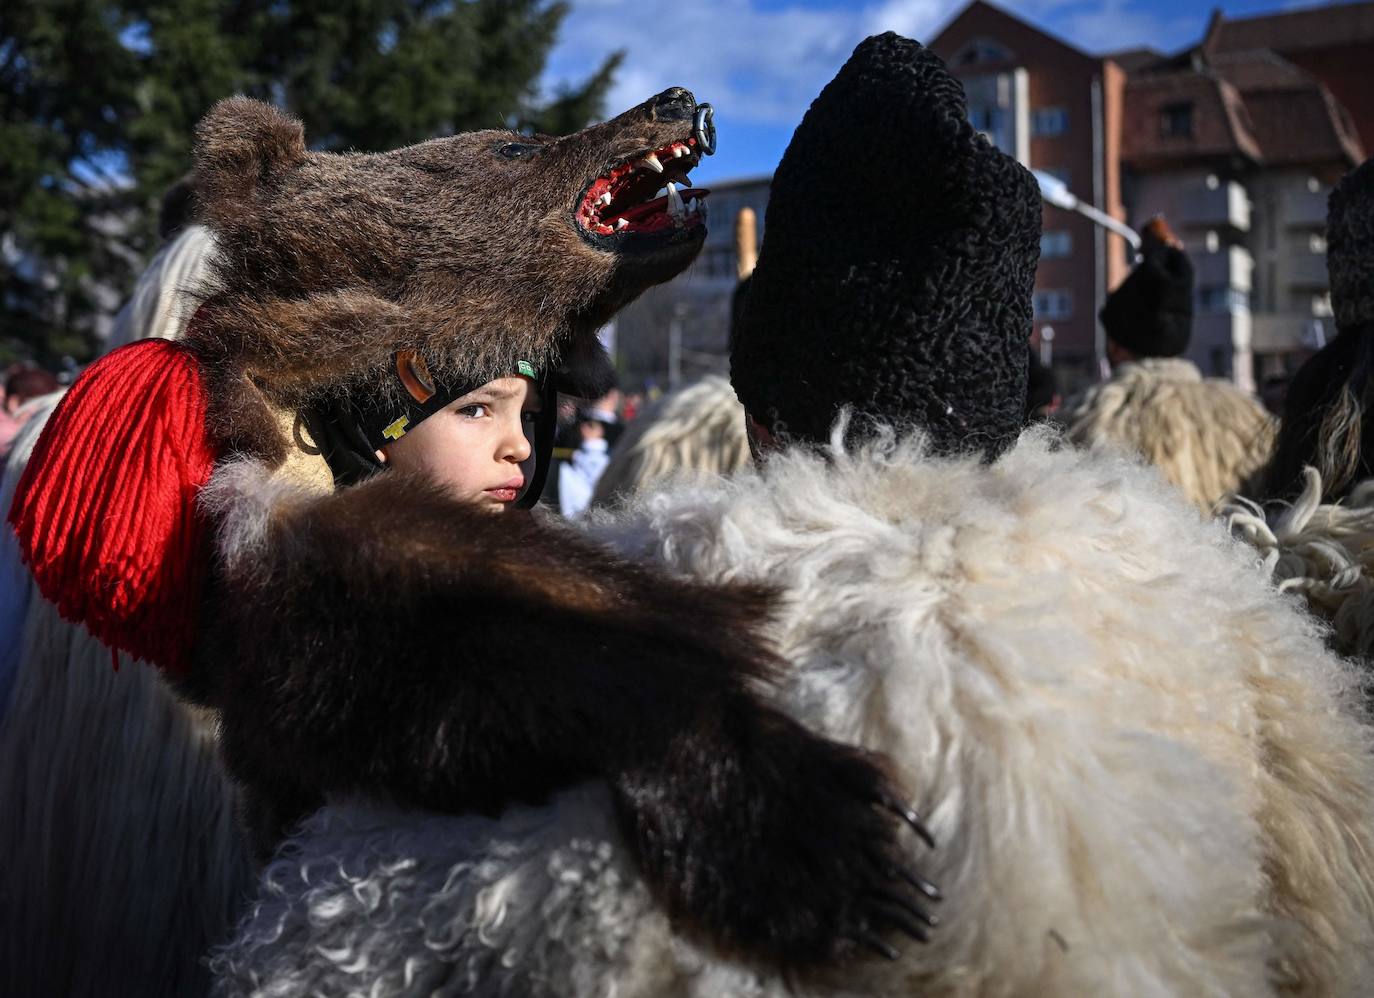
{"points": [[650, 194], [645, 200]]}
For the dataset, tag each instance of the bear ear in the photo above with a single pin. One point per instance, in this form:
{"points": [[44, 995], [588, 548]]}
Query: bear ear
{"points": [[242, 145]]}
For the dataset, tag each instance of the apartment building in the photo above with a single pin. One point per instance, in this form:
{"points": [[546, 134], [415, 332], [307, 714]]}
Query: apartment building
{"points": [[677, 332], [1058, 110], [1236, 140], [1331, 42], [1239, 147]]}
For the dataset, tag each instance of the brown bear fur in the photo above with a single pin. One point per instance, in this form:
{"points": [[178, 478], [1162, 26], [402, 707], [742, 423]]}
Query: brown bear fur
{"points": [[330, 263], [390, 641]]}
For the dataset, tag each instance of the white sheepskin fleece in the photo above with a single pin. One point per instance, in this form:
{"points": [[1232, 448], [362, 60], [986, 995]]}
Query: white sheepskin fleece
{"points": [[370, 900], [1145, 771], [693, 434], [1322, 551], [1203, 434], [242, 496]]}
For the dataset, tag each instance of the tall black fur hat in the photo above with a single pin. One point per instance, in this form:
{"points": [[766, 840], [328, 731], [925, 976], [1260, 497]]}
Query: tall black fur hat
{"points": [[1350, 246], [1151, 311], [897, 267]]}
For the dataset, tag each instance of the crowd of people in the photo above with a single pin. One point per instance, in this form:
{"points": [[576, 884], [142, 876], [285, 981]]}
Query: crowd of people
{"points": [[874, 668], [20, 385]]}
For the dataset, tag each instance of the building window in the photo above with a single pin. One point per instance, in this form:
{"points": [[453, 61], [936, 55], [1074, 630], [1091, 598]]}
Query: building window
{"points": [[717, 261], [1054, 303], [1218, 362], [986, 119], [1219, 298], [1176, 121], [981, 50], [1049, 121], [1056, 244]]}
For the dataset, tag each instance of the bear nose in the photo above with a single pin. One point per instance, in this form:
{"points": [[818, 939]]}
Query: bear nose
{"points": [[674, 104]]}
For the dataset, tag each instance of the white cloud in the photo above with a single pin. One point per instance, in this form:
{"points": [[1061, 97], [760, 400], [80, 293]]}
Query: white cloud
{"points": [[1112, 26], [767, 64], [764, 65]]}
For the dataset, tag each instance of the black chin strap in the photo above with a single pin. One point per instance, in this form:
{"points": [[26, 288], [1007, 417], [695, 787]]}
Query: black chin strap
{"points": [[545, 429], [342, 444]]}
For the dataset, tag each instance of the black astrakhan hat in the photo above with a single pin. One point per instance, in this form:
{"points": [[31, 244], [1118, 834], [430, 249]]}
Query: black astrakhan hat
{"points": [[897, 267], [1151, 312], [1350, 247]]}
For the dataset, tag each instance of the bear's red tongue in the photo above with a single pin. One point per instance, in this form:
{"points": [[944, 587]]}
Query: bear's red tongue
{"points": [[654, 214], [641, 213]]}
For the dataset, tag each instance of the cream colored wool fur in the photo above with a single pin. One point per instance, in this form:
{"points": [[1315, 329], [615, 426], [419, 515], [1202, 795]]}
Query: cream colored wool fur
{"points": [[1325, 553], [122, 856], [1143, 767], [691, 434], [1204, 435]]}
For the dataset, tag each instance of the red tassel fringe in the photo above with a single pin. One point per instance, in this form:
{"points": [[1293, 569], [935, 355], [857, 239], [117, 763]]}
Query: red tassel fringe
{"points": [[106, 510]]}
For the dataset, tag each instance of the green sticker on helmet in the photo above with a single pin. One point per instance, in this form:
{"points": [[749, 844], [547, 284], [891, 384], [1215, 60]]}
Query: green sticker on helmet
{"points": [[526, 369]]}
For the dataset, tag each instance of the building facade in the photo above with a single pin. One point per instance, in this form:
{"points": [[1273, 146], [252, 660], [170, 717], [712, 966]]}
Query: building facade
{"points": [[1236, 140], [677, 332], [1057, 110], [1238, 148]]}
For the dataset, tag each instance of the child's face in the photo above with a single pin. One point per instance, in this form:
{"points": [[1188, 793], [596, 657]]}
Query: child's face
{"points": [[480, 447]]}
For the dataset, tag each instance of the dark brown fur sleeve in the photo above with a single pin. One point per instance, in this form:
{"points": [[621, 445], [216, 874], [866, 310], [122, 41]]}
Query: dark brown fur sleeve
{"points": [[391, 641]]}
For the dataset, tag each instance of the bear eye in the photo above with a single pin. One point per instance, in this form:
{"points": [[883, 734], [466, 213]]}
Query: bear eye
{"points": [[518, 150]]}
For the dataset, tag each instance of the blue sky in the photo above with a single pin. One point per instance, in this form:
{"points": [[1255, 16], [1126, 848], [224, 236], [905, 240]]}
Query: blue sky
{"points": [[761, 62]]}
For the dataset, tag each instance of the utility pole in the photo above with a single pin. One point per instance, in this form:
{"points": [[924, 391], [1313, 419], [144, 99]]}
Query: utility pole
{"points": [[675, 346], [1047, 345], [746, 243]]}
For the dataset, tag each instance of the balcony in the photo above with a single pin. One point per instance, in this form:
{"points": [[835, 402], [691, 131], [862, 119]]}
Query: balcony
{"points": [[1306, 271], [1284, 332], [1304, 209], [1219, 341], [1225, 206], [1229, 267]]}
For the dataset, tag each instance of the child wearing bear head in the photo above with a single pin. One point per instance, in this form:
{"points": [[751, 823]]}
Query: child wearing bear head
{"points": [[484, 444]]}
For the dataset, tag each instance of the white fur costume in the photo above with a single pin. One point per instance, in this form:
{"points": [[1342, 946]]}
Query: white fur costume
{"points": [[123, 857], [164, 298], [1323, 551], [694, 433], [1142, 766], [1203, 434]]}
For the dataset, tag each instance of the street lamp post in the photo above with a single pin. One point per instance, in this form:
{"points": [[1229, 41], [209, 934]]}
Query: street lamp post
{"points": [[1054, 191], [1047, 346]]}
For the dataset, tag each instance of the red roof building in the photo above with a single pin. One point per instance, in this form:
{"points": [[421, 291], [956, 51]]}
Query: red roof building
{"points": [[1334, 43], [1058, 110]]}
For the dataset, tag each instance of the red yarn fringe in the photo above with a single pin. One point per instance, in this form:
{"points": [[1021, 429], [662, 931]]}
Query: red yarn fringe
{"points": [[106, 510]]}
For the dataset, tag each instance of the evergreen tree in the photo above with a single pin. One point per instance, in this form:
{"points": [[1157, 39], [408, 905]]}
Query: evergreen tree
{"points": [[99, 102]]}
